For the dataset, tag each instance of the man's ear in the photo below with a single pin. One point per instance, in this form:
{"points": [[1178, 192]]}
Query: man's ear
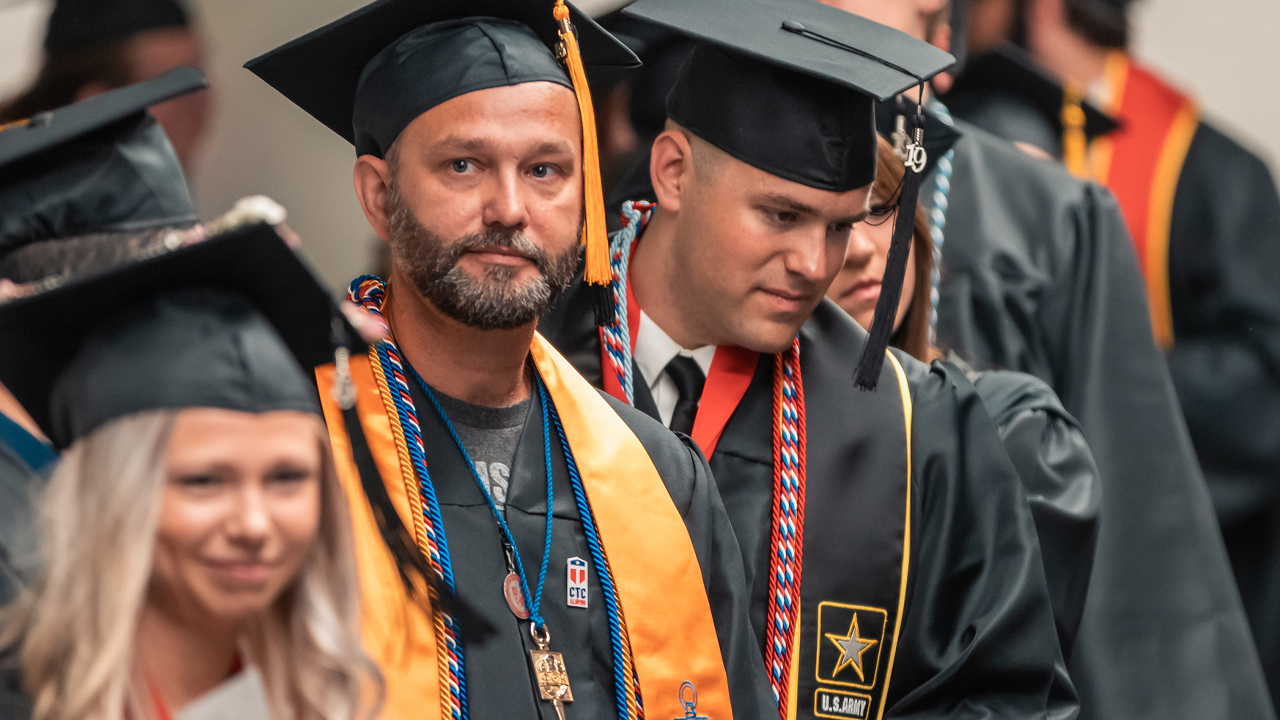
{"points": [[671, 168], [373, 182], [941, 39]]}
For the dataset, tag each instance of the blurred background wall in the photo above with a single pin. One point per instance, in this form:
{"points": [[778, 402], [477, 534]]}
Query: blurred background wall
{"points": [[1222, 50]]}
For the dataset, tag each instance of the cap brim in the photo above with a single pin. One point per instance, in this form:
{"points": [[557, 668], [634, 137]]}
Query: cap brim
{"points": [[68, 123], [319, 71], [42, 333], [755, 28]]}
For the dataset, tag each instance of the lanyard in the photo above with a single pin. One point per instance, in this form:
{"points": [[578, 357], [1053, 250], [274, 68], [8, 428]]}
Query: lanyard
{"points": [[532, 601]]}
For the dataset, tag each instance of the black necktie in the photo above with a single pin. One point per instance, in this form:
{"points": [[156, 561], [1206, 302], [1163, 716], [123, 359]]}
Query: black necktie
{"points": [[688, 378]]}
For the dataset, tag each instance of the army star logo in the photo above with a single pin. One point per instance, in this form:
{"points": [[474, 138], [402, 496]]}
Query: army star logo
{"points": [[852, 646]]}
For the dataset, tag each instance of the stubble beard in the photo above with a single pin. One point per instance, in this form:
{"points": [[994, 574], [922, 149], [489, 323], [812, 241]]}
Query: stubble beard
{"points": [[495, 301]]}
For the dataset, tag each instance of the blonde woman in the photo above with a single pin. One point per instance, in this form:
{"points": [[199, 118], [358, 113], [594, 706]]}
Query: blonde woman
{"points": [[196, 540]]}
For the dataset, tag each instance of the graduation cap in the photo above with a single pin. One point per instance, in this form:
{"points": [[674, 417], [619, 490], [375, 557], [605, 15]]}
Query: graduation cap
{"points": [[102, 164], [789, 87], [1011, 69], [367, 75], [229, 323], [80, 23]]}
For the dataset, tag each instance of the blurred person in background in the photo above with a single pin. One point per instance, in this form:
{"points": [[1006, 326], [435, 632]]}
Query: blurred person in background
{"points": [[92, 46], [1205, 217], [100, 171], [196, 539], [1040, 276], [1046, 444]]}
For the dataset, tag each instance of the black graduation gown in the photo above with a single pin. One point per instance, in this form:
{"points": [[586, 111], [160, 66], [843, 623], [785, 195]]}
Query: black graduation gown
{"points": [[1040, 276], [1061, 480], [1224, 284], [977, 638], [500, 684]]}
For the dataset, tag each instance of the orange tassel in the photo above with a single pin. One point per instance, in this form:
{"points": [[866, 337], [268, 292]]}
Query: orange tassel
{"points": [[595, 234]]}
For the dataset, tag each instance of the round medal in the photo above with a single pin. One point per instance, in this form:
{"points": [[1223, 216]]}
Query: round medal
{"points": [[515, 596]]}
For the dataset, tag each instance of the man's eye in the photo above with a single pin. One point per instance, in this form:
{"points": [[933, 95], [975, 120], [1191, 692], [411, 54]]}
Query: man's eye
{"points": [[841, 227], [783, 217], [541, 171], [461, 166]]}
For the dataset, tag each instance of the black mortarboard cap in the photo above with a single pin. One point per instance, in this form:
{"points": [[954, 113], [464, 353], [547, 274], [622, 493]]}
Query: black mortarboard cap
{"points": [[1011, 70], [80, 23], [788, 86], [369, 74], [102, 164], [228, 323]]}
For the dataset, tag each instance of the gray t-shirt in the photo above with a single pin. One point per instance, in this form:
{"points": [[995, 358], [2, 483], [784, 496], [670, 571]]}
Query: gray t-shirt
{"points": [[490, 435]]}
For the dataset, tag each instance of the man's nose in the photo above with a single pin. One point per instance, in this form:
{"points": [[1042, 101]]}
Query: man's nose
{"points": [[506, 205], [808, 257]]}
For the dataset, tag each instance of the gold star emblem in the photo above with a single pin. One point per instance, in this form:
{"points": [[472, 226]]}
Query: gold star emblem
{"points": [[851, 648]]}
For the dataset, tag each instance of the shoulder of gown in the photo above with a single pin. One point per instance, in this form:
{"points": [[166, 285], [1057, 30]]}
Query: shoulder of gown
{"points": [[1061, 480], [979, 629]]}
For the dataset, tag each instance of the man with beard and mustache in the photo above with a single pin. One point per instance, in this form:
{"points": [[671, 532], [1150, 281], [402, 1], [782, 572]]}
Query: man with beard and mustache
{"points": [[892, 555], [528, 548]]}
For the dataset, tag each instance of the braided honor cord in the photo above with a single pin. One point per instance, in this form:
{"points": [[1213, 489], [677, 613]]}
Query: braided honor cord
{"points": [[616, 336], [370, 291], [626, 686], [789, 468], [787, 540], [938, 219]]}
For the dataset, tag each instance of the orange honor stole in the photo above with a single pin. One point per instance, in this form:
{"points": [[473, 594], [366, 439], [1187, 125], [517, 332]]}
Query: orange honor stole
{"points": [[644, 539]]}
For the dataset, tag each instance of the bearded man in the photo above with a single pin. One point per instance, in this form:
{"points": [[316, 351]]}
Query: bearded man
{"points": [[527, 547]]}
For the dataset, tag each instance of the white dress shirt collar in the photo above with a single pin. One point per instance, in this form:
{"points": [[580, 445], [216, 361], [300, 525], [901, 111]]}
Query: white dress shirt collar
{"points": [[653, 350]]}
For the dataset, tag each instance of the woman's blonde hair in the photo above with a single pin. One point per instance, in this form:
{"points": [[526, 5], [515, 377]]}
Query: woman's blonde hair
{"points": [[76, 628]]}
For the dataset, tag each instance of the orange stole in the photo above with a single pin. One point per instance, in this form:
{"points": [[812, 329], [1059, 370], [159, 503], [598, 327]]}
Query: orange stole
{"points": [[659, 581], [1141, 163]]}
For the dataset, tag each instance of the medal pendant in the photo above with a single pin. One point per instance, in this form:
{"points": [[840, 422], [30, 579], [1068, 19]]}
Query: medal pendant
{"points": [[515, 596], [550, 672]]}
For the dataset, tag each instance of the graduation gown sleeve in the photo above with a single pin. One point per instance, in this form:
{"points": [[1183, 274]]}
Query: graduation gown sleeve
{"points": [[977, 638], [688, 479], [1061, 481], [1040, 276]]}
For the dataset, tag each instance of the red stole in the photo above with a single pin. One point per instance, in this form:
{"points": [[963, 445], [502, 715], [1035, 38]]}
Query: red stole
{"points": [[1141, 163]]}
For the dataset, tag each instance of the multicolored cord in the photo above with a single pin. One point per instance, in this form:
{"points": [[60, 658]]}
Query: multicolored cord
{"points": [[790, 441]]}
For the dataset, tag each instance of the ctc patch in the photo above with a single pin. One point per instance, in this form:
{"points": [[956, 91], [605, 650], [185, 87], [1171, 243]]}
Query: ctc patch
{"points": [[850, 640]]}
